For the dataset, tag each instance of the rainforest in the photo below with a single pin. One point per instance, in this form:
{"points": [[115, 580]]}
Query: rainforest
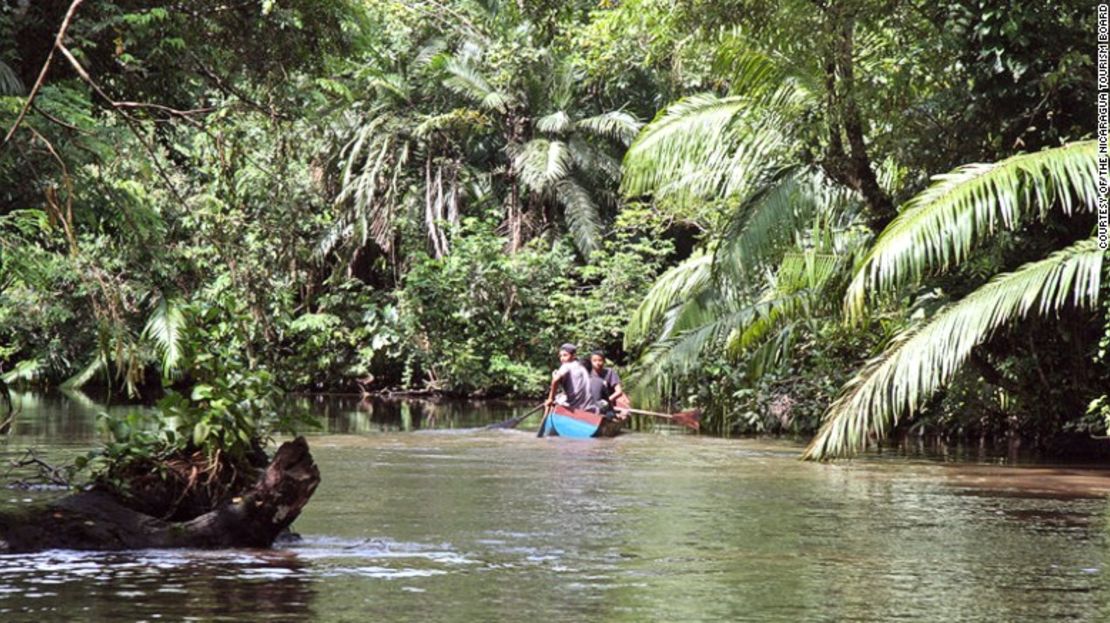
{"points": [[849, 221]]}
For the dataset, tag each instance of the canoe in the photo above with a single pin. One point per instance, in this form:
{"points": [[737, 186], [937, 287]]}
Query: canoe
{"points": [[577, 424]]}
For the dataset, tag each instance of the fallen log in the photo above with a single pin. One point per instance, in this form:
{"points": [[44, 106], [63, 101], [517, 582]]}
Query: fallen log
{"points": [[96, 520]]}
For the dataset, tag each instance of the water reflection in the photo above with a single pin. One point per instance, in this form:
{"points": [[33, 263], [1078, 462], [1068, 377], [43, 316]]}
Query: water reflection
{"points": [[352, 414], [137, 585], [453, 523]]}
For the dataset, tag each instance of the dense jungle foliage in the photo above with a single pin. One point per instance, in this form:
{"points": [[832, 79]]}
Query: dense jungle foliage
{"points": [[847, 218]]}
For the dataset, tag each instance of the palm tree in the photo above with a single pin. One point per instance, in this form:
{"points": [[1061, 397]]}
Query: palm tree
{"points": [[557, 156], [772, 276], [454, 126], [779, 232], [937, 230], [400, 153]]}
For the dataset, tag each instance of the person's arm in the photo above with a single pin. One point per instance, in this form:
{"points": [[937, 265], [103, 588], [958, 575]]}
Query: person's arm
{"points": [[556, 377], [618, 389]]}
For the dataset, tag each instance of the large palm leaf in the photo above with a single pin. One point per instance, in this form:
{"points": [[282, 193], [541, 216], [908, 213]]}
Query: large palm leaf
{"points": [[466, 80], [939, 227], [166, 328], [676, 285], [924, 357], [709, 323], [581, 213], [542, 163], [616, 124], [767, 222], [695, 145]]}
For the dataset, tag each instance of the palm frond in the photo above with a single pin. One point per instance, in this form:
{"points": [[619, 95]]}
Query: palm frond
{"points": [[712, 324], [557, 122], [750, 70], [925, 357], [676, 285], [593, 161], [542, 163], [374, 160], [26, 370], [429, 52], [681, 353], [97, 363], [765, 222], [688, 131], [939, 227], [166, 327], [10, 84], [617, 125], [704, 148], [581, 214], [468, 82], [808, 269], [753, 70], [392, 84]]}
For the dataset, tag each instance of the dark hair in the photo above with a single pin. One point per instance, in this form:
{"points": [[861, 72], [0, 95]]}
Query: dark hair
{"points": [[599, 353]]}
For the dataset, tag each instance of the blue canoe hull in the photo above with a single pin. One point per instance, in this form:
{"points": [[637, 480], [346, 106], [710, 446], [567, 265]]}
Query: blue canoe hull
{"points": [[576, 424]]}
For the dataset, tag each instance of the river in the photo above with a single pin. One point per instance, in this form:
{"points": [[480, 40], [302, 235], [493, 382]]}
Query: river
{"points": [[421, 516]]}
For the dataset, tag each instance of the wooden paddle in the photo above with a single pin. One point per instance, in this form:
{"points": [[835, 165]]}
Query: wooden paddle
{"points": [[514, 421], [543, 422], [691, 418]]}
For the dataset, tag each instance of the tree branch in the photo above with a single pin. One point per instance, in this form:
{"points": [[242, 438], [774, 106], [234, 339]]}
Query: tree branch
{"points": [[131, 123], [42, 73], [222, 85]]}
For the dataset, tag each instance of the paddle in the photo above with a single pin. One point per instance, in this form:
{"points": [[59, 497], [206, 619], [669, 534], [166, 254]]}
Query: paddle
{"points": [[691, 418], [543, 423], [514, 421]]}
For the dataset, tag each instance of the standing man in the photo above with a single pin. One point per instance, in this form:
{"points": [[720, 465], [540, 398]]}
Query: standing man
{"points": [[606, 384], [573, 378]]}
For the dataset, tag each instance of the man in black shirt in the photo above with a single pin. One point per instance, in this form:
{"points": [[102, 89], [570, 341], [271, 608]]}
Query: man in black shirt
{"points": [[605, 384]]}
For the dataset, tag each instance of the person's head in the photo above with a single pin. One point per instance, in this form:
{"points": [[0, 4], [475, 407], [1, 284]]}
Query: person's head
{"points": [[567, 352], [597, 360]]}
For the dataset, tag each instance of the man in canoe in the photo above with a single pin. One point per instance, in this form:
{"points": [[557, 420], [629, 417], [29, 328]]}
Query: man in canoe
{"points": [[573, 378], [605, 384]]}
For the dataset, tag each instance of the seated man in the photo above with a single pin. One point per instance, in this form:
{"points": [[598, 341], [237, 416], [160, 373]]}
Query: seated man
{"points": [[573, 378], [605, 384]]}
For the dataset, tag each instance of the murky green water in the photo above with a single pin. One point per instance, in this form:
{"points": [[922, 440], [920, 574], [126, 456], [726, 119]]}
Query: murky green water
{"points": [[422, 520]]}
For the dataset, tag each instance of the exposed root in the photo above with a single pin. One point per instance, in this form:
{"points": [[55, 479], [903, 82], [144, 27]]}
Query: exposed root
{"points": [[181, 486]]}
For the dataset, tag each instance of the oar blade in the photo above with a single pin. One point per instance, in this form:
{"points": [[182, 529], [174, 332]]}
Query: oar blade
{"points": [[690, 419]]}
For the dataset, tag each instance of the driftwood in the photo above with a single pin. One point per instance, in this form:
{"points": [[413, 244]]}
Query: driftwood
{"points": [[96, 520]]}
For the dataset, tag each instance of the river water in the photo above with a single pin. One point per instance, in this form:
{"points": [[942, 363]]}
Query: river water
{"points": [[421, 517]]}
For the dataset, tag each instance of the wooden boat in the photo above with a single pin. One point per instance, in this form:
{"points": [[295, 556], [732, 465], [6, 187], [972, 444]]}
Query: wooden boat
{"points": [[577, 424]]}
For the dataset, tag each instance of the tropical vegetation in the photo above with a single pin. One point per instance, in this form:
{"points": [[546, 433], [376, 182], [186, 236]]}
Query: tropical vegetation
{"points": [[848, 220]]}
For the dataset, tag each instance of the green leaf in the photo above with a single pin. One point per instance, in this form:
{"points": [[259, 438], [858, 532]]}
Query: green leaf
{"points": [[923, 358], [166, 327], [200, 434], [938, 228]]}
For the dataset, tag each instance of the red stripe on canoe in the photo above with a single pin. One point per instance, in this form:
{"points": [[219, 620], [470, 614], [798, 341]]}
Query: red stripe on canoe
{"points": [[592, 419]]}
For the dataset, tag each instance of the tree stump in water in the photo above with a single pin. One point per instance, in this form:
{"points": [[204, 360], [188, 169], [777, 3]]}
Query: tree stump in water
{"points": [[96, 520]]}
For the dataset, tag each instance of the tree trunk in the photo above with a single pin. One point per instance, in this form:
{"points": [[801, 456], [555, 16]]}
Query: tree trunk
{"points": [[96, 520], [851, 166]]}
